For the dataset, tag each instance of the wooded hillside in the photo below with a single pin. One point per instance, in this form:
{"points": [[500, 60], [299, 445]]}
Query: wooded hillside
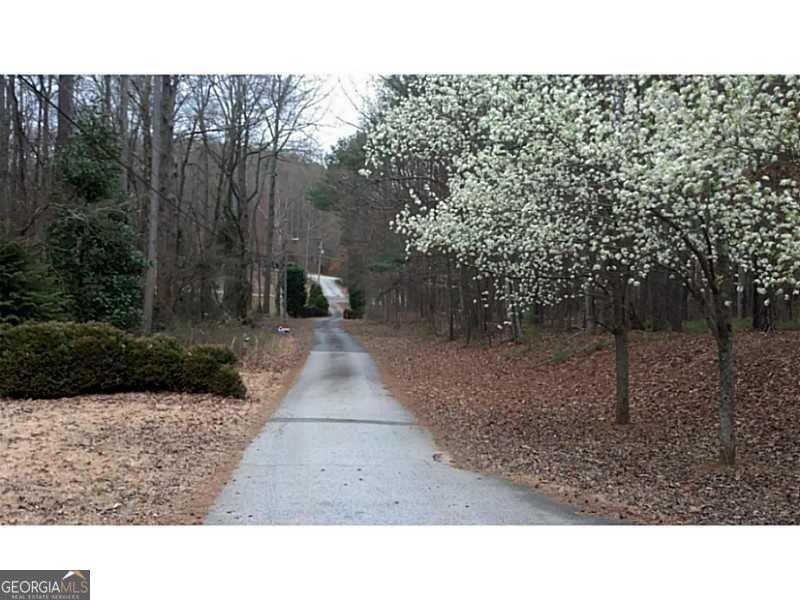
{"points": [[197, 182]]}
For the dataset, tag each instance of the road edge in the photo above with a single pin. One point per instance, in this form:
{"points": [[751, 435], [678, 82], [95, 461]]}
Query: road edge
{"points": [[599, 509], [267, 407]]}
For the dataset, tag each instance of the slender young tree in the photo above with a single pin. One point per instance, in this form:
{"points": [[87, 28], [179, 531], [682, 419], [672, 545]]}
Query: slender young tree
{"points": [[4, 146], [294, 102], [153, 216], [122, 126], [718, 202]]}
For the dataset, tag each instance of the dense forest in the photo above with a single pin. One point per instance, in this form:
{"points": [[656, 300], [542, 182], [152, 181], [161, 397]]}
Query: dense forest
{"points": [[139, 199]]}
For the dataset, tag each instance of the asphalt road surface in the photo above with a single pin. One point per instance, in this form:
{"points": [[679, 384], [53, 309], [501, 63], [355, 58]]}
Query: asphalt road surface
{"points": [[340, 450]]}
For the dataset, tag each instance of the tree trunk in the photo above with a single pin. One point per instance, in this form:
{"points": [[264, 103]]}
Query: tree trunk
{"points": [[762, 315], [466, 306], [20, 185], [620, 329], [270, 233], [277, 130], [39, 162], [45, 138], [675, 295], [517, 314], [280, 293], [512, 313], [720, 302], [4, 133], [169, 216], [122, 125], [152, 225], [66, 109], [146, 120], [451, 335], [727, 389], [588, 312], [11, 184], [243, 290], [107, 98], [623, 410]]}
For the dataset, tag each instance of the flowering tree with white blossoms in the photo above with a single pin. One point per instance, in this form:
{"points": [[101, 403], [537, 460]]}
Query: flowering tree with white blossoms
{"points": [[422, 131], [538, 202], [575, 138], [716, 203], [597, 180]]}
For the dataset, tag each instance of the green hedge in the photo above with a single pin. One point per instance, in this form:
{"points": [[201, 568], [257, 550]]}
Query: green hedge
{"points": [[155, 363], [202, 373], [55, 359], [219, 354]]}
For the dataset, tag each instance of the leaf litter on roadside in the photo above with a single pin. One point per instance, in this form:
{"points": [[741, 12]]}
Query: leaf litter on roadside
{"points": [[133, 458], [510, 410]]}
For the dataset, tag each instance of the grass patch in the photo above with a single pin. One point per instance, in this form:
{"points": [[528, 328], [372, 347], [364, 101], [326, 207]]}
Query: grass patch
{"points": [[252, 344]]}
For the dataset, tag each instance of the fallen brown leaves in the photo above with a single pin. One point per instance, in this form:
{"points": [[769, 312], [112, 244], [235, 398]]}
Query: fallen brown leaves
{"points": [[511, 410], [140, 458]]}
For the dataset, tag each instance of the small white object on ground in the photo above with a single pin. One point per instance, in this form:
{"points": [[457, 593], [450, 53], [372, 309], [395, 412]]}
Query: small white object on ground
{"points": [[284, 330]]}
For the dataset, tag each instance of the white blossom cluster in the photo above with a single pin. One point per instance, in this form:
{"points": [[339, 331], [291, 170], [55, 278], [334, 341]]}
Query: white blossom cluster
{"points": [[558, 181]]}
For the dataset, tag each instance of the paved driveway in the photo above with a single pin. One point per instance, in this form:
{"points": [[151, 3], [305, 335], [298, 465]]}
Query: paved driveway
{"points": [[341, 450]]}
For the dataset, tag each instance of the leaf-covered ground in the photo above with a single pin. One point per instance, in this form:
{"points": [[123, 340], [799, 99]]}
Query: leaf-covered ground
{"points": [[144, 458], [543, 414]]}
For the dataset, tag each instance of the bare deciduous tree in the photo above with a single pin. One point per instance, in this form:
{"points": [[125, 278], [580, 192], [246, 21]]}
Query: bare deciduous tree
{"points": [[152, 226]]}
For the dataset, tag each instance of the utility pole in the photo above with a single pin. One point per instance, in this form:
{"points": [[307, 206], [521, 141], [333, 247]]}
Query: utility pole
{"points": [[319, 260], [152, 225]]}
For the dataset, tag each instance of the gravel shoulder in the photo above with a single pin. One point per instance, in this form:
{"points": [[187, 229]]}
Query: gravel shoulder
{"points": [[542, 415], [136, 458]]}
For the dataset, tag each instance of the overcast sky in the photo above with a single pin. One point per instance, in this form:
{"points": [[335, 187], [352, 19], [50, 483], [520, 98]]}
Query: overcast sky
{"points": [[347, 94]]}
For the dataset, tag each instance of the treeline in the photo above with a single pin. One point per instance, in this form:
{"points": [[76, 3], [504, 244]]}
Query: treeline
{"points": [[482, 203], [140, 199]]}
